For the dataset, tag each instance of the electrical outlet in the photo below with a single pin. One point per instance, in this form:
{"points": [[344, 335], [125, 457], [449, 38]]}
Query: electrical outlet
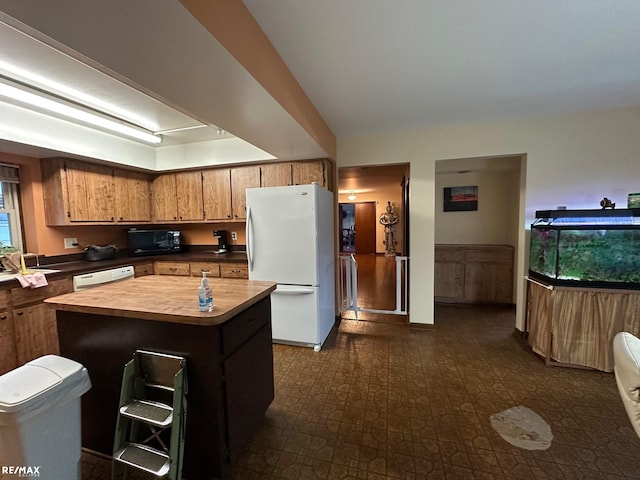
{"points": [[70, 242], [234, 235]]}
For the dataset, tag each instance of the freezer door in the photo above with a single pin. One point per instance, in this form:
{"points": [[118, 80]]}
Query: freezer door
{"points": [[283, 231], [294, 314]]}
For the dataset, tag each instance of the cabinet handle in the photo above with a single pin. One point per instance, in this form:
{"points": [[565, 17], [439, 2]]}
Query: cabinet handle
{"points": [[19, 313], [202, 270], [173, 269], [3, 317], [228, 216]]}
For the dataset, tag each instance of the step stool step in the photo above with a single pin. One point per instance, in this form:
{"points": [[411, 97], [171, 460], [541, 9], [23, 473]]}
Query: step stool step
{"points": [[154, 413], [144, 458]]}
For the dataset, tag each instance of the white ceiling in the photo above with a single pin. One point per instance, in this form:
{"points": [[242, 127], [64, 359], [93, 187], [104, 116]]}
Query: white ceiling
{"points": [[375, 66], [367, 65]]}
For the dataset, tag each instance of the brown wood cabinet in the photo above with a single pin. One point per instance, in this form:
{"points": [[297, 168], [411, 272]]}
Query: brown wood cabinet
{"points": [[178, 197], [234, 270], [35, 332], [275, 174], [8, 356], [474, 273], [34, 322], [172, 268], [296, 173], [142, 269], [241, 179], [198, 268], [216, 185], [132, 197], [195, 269], [91, 192], [77, 193], [317, 171]]}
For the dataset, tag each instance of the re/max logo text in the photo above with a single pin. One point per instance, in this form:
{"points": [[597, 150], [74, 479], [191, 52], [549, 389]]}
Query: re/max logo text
{"points": [[21, 471]]}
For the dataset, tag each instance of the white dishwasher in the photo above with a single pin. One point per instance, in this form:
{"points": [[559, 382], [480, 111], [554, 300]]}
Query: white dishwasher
{"points": [[95, 279]]}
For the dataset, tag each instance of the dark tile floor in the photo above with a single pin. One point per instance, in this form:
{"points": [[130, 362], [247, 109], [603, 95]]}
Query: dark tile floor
{"points": [[388, 401]]}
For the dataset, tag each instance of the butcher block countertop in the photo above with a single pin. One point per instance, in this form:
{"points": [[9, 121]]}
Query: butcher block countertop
{"points": [[166, 298]]}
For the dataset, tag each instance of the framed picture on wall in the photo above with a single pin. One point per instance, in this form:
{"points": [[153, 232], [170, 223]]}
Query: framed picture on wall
{"points": [[460, 199]]}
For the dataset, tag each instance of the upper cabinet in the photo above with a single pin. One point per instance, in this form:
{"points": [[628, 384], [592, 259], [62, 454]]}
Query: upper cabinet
{"points": [[133, 197], [178, 197], [77, 192], [275, 174], [297, 173], [216, 185], [224, 192], [241, 179]]}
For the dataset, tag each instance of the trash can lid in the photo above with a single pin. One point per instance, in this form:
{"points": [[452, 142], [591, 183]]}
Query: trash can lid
{"points": [[23, 383], [42, 381]]}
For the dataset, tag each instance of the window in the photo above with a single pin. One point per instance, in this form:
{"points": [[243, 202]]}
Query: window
{"points": [[10, 227]]}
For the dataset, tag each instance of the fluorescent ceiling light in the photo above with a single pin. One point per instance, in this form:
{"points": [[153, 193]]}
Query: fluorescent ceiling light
{"points": [[75, 113], [46, 84]]}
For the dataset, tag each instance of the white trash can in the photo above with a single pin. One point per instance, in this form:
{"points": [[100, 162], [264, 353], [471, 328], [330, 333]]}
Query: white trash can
{"points": [[40, 419]]}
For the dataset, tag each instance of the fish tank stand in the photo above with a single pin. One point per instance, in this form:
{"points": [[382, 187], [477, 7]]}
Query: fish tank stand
{"points": [[583, 285]]}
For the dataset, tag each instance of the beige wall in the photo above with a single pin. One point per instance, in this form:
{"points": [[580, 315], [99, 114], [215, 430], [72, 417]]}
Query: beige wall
{"points": [[571, 160], [495, 221]]}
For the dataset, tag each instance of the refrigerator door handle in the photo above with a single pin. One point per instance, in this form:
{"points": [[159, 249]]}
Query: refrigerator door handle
{"points": [[293, 291], [249, 239]]}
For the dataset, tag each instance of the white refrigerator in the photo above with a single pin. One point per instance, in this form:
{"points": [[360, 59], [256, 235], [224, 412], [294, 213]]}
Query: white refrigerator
{"points": [[290, 241]]}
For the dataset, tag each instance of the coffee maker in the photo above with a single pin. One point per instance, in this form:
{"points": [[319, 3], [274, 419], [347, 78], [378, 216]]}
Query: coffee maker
{"points": [[223, 246]]}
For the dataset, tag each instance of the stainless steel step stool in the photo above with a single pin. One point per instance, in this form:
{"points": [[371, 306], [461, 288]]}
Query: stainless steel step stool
{"points": [[153, 392]]}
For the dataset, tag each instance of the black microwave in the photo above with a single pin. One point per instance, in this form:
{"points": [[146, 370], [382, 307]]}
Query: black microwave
{"points": [[153, 242]]}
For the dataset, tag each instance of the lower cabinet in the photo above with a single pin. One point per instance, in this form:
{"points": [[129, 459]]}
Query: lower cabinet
{"points": [[234, 270], [142, 269], [34, 322], [195, 269], [35, 332], [474, 273], [171, 268], [8, 358]]}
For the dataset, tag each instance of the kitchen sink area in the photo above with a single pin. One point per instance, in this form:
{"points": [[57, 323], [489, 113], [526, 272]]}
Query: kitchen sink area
{"points": [[6, 276]]}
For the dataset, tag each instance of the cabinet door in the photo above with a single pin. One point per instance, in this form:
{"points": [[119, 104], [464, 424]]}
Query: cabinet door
{"points": [[91, 192], [308, 172], [36, 332], [163, 194], [8, 358], [449, 281], [249, 389], [216, 187], [275, 175], [189, 196], [241, 179], [132, 197]]}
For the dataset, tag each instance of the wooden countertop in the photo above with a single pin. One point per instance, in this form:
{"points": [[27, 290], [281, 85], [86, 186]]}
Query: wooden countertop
{"points": [[166, 299]]}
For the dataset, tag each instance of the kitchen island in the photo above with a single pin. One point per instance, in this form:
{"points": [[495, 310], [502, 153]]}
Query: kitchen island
{"points": [[228, 351]]}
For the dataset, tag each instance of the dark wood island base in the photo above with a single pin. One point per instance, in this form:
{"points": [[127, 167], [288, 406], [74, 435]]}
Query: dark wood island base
{"points": [[229, 366]]}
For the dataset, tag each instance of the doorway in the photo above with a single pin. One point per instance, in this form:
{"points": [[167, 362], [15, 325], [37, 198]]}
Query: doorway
{"points": [[361, 218], [363, 196]]}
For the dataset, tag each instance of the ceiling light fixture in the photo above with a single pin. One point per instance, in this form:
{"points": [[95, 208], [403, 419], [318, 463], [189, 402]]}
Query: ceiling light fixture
{"points": [[41, 101], [352, 196]]}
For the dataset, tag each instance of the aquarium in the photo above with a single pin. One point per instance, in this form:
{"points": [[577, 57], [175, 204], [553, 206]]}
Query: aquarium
{"points": [[590, 248]]}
